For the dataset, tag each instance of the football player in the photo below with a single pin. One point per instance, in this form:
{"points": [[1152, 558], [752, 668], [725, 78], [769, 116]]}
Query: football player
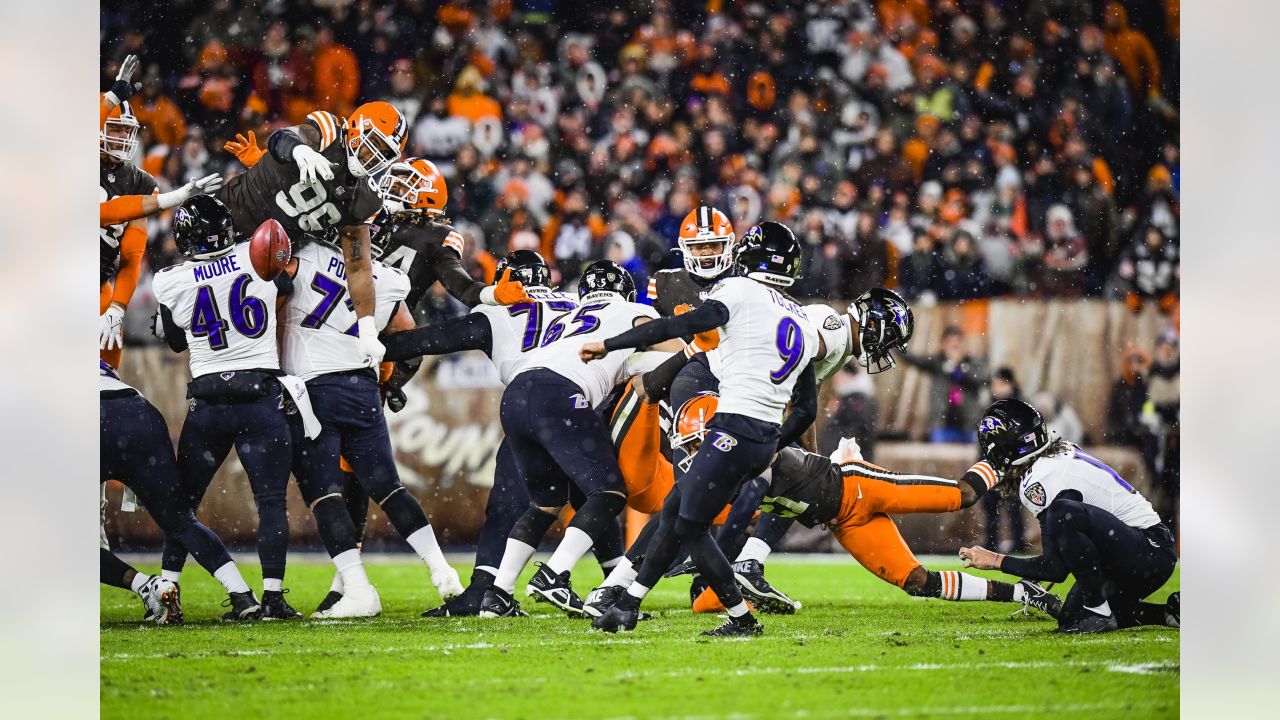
{"points": [[216, 306], [507, 335], [323, 347], [766, 350], [137, 451], [855, 498], [317, 179], [1094, 526], [113, 106], [558, 438]]}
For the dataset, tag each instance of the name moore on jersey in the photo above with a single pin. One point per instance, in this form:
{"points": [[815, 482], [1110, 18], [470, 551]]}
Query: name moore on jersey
{"points": [[764, 345], [517, 330], [320, 330], [227, 312], [599, 315]]}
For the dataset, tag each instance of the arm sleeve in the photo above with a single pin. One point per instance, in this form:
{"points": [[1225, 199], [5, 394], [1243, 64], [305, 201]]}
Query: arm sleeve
{"points": [[448, 268], [174, 336], [657, 382], [284, 284], [402, 372], [282, 143], [132, 246], [804, 407], [466, 333], [119, 210], [712, 314]]}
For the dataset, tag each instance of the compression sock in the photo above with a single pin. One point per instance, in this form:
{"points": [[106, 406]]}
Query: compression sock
{"points": [[351, 568], [513, 561], [139, 579], [755, 549], [229, 576], [622, 574]]}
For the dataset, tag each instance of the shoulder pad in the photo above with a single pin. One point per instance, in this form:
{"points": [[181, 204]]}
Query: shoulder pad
{"points": [[328, 124]]}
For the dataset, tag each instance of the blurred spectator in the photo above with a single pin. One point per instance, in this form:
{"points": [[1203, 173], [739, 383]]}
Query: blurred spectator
{"points": [[1059, 417], [468, 100], [1150, 271], [956, 395], [404, 90], [1065, 255], [1004, 386], [851, 411], [1164, 416], [157, 112], [438, 136], [1133, 51], [921, 271], [963, 274], [1127, 400], [337, 74]]}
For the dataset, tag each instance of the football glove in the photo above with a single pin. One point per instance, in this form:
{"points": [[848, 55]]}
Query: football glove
{"points": [[124, 87], [110, 327], [312, 166], [369, 342], [393, 397], [505, 292], [245, 149], [157, 325], [207, 185]]}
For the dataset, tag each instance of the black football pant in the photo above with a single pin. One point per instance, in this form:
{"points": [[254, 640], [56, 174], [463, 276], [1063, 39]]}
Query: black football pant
{"points": [[1109, 559], [259, 431], [136, 450]]}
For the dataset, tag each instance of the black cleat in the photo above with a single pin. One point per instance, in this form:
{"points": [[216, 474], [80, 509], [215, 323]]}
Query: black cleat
{"points": [[465, 605], [745, 626], [329, 600], [548, 587], [275, 607], [615, 619], [244, 606], [750, 577], [602, 598], [685, 568], [1173, 611], [1091, 623], [1040, 599], [498, 603]]}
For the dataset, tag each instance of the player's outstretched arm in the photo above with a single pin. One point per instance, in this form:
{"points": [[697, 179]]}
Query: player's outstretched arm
{"points": [[470, 332], [711, 315], [132, 207]]}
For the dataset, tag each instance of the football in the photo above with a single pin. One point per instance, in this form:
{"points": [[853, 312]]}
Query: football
{"points": [[270, 249]]}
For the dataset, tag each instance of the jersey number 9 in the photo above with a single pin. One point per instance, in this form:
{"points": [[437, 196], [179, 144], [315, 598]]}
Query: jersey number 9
{"points": [[790, 344]]}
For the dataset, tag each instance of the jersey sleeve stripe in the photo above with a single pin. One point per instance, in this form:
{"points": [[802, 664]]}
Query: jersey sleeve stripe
{"points": [[873, 473], [984, 470], [652, 292], [327, 125]]}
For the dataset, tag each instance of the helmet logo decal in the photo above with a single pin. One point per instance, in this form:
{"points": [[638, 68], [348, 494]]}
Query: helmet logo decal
{"points": [[990, 424], [181, 216]]}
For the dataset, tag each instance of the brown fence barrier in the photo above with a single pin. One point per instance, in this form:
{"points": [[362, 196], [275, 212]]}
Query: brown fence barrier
{"points": [[447, 436]]}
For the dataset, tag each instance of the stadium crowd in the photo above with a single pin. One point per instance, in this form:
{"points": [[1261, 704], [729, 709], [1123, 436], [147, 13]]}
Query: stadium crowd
{"points": [[953, 149]]}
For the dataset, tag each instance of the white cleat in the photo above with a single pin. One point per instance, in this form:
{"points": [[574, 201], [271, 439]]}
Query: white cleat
{"points": [[448, 584], [162, 600], [355, 603]]}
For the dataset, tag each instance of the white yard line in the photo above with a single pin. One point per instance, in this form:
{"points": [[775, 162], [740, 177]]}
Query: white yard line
{"points": [[951, 710]]}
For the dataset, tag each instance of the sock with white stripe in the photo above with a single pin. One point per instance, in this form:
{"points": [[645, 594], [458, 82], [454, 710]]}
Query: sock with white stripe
{"points": [[229, 576], [171, 575], [1104, 609], [956, 586], [351, 567], [514, 558], [272, 584], [622, 575], [139, 579], [423, 541], [575, 544], [754, 549]]}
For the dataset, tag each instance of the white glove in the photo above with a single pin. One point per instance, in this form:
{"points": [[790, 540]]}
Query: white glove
{"points": [[312, 166], [369, 343], [124, 86], [206, 185], [109, 327], [847, 450]]}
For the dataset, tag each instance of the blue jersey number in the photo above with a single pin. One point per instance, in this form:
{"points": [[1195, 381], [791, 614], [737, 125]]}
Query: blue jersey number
{"points": [[533, 325], [584, 318], [790, 343], [248, 314]]}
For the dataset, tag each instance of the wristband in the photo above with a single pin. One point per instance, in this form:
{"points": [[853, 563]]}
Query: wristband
{"points": [[366, 327], [487, 296]]}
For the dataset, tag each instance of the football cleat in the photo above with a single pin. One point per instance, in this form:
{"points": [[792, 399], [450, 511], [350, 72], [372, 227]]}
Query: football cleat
{"points": [[1173, 611], [449, 585], [750, 577], [465, 605], [275, 607], [615, 619], [546, 586], [1040, 599], [685, 568], [163, 601], [329, 601], [355, 603], [601, 599], [244, 606], [498, 603], [745, 626], [1091, 623]]}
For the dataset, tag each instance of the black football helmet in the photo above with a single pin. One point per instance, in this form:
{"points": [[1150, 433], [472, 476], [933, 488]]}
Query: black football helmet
{"points": [[1011, 432], [527, 267], [769, 253], [885, 322], [202, 228], [607, 275]]}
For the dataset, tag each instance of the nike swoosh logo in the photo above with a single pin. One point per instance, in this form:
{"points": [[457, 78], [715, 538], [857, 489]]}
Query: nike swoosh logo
{"points": [[859, 491]]}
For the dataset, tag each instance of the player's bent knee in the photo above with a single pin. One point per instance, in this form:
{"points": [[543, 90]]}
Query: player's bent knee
{"points": [[1065, 515], [686, 529]]}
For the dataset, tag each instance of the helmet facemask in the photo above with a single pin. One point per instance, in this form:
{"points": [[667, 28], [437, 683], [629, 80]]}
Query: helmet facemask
{"points": [[707, 265], [369, 151], [402, 189], [885, 323], [690, 426], [119, 135]]}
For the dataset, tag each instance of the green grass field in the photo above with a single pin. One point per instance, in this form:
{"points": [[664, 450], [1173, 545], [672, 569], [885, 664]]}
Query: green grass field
{"points": [[859, 648]]}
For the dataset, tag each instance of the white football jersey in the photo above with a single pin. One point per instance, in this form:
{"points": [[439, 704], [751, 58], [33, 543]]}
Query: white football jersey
{"points": [[834, 329], [1102, 487], [600, 315], [320, 333], [226, 310], [517, 330], [764, 346]]}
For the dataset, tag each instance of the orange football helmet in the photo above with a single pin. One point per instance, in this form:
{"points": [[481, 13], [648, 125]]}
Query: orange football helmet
{"points": [[691, 424], [703, 227], [414, 185], [376, 135], [118, 136]]}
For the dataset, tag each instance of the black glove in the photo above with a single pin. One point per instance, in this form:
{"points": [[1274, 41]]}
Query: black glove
{"points": [[393, 397]]}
